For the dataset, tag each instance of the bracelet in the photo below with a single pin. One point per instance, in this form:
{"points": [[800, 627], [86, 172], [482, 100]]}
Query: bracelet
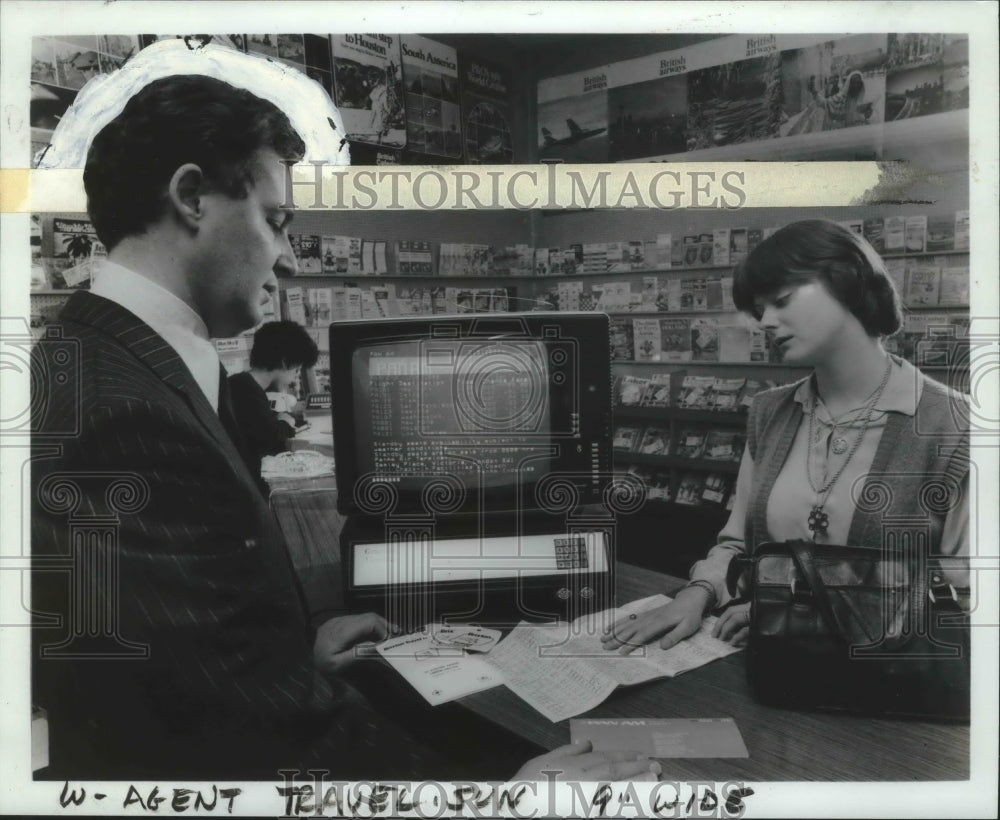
{"points": [[701, 583]]}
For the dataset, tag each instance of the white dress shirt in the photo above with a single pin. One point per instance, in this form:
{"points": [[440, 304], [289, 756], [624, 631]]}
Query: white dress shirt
{"points": [[175, 320]]}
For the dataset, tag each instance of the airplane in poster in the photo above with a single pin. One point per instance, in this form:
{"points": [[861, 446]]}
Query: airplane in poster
{"points": [[576, 134]]}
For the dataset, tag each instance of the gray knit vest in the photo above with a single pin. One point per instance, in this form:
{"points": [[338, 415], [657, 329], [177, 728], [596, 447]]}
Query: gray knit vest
{"points": [[915, 477]]}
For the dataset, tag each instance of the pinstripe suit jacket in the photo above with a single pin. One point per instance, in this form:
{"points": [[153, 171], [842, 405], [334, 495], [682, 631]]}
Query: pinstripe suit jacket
{"points": [[184, 647]]}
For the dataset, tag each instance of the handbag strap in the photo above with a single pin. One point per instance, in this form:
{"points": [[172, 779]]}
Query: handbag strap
{"points": [[802, 553], [739, 565]]}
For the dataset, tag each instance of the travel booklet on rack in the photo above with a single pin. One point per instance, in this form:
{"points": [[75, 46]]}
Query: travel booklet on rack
{"points": [[563, 670]]}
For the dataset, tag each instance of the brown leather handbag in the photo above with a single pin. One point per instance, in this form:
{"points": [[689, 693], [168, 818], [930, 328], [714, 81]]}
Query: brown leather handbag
{"points": [[854, 629]]}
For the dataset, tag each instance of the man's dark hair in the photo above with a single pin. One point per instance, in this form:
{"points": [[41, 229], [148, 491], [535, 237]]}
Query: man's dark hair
{"points": [[172, 121], [821, 250], [279, 345]]}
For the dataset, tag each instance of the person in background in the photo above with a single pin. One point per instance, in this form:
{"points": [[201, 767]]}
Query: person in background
{"points": [[280, 351], [824, 298], [212, 668]]}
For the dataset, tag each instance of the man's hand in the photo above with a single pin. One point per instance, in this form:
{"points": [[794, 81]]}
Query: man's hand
{"points": [[341, 641], [672, 623], [578, 761]]}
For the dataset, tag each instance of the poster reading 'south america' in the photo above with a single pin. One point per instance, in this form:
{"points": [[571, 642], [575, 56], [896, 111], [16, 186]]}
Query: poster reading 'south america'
{"points": [[430, 76], [368, 87]]}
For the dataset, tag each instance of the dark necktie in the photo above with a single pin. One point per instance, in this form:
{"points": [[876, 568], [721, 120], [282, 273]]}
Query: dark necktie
{"points": [[228, 419], [226, 415]]}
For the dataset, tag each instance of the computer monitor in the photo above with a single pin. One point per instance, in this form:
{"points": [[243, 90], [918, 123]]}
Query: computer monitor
{"points": [[471, 413]]}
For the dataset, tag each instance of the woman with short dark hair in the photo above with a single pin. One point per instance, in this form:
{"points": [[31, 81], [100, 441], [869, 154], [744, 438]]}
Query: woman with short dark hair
{"points": [[864, 426]]}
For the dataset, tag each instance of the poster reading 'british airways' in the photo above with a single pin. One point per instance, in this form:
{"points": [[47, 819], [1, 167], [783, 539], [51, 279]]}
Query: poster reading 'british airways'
{"points": [[573, 117]]}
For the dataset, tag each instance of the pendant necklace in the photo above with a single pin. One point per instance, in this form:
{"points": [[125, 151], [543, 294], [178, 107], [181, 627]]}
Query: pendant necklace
{"points": [[818, 520], [838, 441]]}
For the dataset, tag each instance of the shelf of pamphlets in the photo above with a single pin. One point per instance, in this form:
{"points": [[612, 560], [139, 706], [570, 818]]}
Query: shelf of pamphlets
{"points": [[717, 249], [351, 256], [662, 461], [933, 340], [316, 307], [693, 324], [65, 254], [680, 414], [709, 493], [682, 434], [707, 340], [682, 396], [722, 248], [693, 445]]}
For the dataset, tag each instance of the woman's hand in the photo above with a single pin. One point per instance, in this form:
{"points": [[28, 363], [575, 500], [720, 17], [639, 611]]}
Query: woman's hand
{"points": [[578, 761], [672, 623], [734, 625]]}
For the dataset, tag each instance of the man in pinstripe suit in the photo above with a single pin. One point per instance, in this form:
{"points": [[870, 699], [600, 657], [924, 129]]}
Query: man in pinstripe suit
{"points": [[182, 646]]}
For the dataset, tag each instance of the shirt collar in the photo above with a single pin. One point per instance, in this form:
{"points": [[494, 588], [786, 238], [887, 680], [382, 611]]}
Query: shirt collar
{"points": [[901, 394], [172, 318]]}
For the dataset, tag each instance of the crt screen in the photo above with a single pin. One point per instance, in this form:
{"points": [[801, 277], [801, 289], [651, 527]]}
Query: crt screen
{"points": [[478, 411]]}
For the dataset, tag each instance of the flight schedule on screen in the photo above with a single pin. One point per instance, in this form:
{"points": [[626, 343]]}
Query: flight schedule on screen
{"points": [[467, 413], [457, 409]]}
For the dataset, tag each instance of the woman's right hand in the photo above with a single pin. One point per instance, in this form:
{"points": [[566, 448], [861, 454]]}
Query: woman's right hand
{"points": [[671, 623]]}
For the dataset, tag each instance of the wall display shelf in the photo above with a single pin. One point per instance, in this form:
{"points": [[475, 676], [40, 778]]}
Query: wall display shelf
{"points": [[655, 414], [668, 447], [889, 140], [700, 464], [631, 272], [698, 363], [675, 313], [343, 278], [709, 268], [919, 254]]}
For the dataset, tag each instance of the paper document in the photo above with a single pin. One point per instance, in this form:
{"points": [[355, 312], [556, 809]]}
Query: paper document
{"points": [[438, 671], [296, 464], [562, 670], [319, 431]]}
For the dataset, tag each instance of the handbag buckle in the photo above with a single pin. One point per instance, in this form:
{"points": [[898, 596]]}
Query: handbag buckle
{"points": [[942, 588], [807, 592]]}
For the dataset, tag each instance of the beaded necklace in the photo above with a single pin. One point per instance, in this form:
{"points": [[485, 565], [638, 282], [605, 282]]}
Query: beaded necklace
{"points": [[819, 520]]}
